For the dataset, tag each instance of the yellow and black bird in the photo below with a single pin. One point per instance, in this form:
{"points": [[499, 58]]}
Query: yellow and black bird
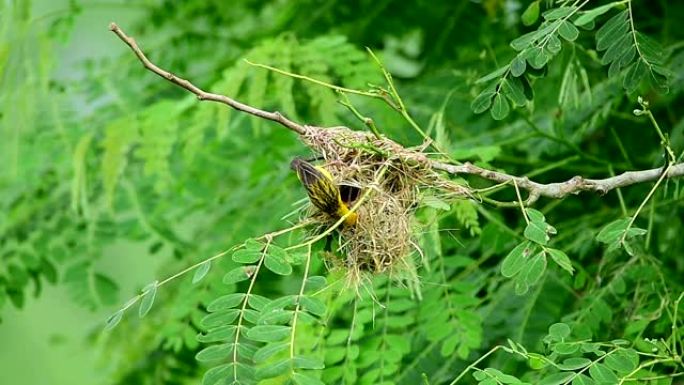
{"points": [[322, 190]]}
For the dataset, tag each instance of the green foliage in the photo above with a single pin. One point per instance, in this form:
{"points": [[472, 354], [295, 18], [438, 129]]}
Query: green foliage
{"points": [[114, 161], [622, 45], [631, 55]]}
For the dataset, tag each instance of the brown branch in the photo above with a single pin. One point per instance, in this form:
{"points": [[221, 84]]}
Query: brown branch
{"points": [[201, 94], [560, 190], [536, 190]]}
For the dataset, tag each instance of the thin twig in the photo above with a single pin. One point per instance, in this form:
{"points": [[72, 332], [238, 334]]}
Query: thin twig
{"points": [[201, 94]]}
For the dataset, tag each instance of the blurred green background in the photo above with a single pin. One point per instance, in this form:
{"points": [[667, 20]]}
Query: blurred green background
{"points": [[112, 178], [48, 340]]}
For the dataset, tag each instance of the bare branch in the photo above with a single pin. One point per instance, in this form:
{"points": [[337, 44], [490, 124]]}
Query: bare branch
{"points": [[560, 190], [201, 94]]}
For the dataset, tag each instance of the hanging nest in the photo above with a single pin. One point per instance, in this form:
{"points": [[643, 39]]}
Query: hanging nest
{"points": [[389, 178]]}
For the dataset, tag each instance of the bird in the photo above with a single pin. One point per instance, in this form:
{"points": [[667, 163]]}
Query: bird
{"points": [[323, 193]]}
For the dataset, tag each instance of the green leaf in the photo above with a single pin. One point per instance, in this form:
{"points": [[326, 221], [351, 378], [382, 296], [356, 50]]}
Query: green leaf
{"points": [[239, 274], [515, 260], [251, 316], [558, 13], [501, 377], [279, 252], [274, 369], [568, 31], [521, 287], [435, 202], [334, 355], [258, 302], [561, 259], [526, 40], [565, 348], [575, 363], [305, 379], [556, 378], [269, 333], [634, 74], [534, 268], [583, 380], [518, 65], [537, 57], [449, 345], [120, 135], [617, 49], [221, 333], [226, 302], [280, 303], [483, 101], [277, 264], [535, 216], [601, 374], [215, 352], [612, 30], [623, 360], [513, 89], [625, 59], [536, 232], [500, 107], [480, 375], [313, 305], [617, 231], [219, 318], [660, 77], [275, 317], [651, 50], [613, 231], [218, 374], [531, 13], [492, 75], [559, 331], [247, 255], [553, 46], [311, 363], [268, 351], [315, 283], [113, 320], [588, 16], [201, 271], [148, 295]]}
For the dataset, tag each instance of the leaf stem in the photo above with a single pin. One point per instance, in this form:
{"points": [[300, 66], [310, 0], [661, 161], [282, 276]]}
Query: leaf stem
{"points": [[366, 120], [674, 326], [520, 201], [274, 234], [641, 206], [297, 307], [244, 306], [663, 139], [644, 365], [401, 107], [315, 81], [474, 364]]}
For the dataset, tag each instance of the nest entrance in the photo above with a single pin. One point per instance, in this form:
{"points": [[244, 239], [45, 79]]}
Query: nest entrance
{"points": [[388, 178]]}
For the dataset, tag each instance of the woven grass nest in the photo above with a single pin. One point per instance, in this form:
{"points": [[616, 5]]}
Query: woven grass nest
{"points": [[388, 178]]}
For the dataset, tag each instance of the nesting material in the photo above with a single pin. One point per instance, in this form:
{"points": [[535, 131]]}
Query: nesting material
{"points": [[390, 179]]}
